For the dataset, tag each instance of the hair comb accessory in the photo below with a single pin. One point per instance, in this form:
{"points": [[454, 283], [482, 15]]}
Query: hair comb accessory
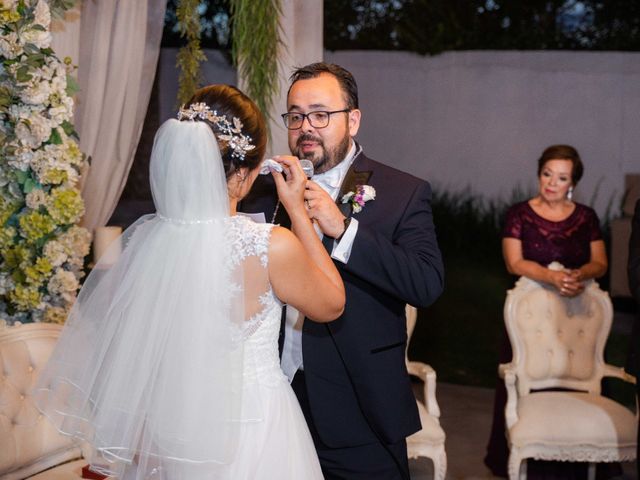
{"points": [[230, 132]]}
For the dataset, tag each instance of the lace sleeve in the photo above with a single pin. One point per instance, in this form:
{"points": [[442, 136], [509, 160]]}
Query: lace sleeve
{"points": [[513, 223], [594, 226]]}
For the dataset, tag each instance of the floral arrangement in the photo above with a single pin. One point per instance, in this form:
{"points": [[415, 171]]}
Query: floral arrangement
{"points": [[42, 249], [363, 194]]}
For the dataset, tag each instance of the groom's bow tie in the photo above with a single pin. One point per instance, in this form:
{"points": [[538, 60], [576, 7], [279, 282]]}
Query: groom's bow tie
{"points": [[329, 180]]}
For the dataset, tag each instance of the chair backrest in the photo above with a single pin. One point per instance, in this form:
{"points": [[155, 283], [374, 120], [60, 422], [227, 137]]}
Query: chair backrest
{"points": [[557, 341], [29, 443]]}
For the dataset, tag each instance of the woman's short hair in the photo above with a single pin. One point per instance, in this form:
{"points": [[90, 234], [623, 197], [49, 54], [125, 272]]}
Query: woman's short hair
{"points": [[231, 102], [563, 152]]}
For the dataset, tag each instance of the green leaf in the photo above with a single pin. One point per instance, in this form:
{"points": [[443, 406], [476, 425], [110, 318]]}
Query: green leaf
{"points": [[29, 185], [30, 48], [38, 27], [6, 97], [23, 75], [21, 176], [21, 9], [55, 137], [68, 128], [72, 86]]}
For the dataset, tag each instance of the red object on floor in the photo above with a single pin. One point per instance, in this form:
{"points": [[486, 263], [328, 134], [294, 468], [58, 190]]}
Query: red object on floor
{"points": [[87, 473]]}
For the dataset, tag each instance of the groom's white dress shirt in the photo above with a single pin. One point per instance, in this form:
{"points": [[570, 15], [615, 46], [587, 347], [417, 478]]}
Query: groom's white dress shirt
{"points": [[330, 181]]}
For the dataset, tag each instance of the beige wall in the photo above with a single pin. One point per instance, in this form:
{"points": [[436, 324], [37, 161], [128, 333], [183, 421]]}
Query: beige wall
{"points": [[481, 118]]}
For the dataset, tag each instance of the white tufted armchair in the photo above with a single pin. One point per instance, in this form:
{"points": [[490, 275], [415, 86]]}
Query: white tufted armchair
{"points": [[428, 442], [29, 444], [558, 342]]}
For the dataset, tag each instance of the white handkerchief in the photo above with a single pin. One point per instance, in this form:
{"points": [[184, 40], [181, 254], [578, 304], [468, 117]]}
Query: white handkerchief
{"points": [[268, 165]]}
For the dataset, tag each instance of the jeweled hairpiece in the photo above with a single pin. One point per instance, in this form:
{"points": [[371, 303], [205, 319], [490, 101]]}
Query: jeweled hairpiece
{"points": [[229, 132]]}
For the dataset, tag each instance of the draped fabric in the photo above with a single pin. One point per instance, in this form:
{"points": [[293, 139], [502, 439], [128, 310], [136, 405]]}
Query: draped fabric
{"points": [[119, 48]]}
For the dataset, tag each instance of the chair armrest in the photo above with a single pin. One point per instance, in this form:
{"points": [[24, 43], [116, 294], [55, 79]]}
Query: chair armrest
{"points": [[618, 372], [508, 373], [428, 375]]}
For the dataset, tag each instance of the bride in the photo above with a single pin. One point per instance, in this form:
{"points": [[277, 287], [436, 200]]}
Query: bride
{"points": [[168, 364]]}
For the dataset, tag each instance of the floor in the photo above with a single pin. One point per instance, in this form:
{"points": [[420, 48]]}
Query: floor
{"points": [[466, 420]]}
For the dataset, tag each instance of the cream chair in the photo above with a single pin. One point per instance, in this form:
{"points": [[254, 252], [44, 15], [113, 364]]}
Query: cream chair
{"points": [[29, 444], [558, 342], [428, 442]]}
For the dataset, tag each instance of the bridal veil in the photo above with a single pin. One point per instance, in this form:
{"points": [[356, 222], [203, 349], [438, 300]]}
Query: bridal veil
{"points": [[149, 366]]}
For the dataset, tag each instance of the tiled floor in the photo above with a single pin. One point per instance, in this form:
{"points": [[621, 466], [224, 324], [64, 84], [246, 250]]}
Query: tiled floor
{"points": [[466, 419]]}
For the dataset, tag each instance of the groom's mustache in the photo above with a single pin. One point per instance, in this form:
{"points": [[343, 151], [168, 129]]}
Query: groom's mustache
{"points": [[307, 137]]}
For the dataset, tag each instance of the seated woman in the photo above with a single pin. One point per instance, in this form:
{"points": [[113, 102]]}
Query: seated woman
{"points": [[549, 227]]}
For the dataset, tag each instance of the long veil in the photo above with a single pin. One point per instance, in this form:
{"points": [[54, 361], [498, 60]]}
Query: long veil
{"points": [[148, 368]]}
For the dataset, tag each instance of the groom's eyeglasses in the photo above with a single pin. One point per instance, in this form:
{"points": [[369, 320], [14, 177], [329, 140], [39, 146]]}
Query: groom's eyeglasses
{"points": [[319, 119]]}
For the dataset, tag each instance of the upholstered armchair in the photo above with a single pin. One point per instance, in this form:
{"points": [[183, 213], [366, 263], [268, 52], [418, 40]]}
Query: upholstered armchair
{"points": [[558, 343], [29, 444], [428, 442]]}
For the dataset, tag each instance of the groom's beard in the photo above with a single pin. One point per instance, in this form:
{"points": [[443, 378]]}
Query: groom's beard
{"points": [[328, 158]]}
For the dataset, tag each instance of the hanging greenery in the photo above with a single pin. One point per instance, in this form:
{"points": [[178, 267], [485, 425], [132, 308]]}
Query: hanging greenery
{"points": [[42, 248], [191, 55], [254, 46], [255, 40]]}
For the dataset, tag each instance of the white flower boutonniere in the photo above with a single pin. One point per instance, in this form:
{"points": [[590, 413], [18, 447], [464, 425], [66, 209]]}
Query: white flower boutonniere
{"points": [[363, 194]]}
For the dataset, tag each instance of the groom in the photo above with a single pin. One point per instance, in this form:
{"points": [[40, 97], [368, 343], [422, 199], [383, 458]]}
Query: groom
{"points": [[351, 378]]}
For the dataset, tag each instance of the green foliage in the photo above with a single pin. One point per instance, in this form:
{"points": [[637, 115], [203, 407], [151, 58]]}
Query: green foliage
{"points": [[255, 44], [58, 7], [434, 26], [190, 55]]}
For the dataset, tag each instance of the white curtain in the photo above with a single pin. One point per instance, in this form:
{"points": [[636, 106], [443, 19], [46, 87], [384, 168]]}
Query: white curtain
{"points": [[119, 47]]}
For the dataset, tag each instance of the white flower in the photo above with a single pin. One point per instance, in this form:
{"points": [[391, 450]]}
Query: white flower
{"points": [[54, 251], [63, 282], [6, 283], [37, 93], [35, 198], [9, 46], [42, 14], [37, 37], [369, 193], [60, 114], [35, 133]]}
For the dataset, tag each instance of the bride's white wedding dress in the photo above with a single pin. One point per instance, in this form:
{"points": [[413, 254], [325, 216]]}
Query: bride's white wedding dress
{"points": [[168, 363], [279, 446]]}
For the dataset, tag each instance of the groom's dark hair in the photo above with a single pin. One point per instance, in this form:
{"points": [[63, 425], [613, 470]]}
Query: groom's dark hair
{"points": [[345, 79]]}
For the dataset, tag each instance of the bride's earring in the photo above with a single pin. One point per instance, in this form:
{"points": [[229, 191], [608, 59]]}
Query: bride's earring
{"points": [[570, 193]]}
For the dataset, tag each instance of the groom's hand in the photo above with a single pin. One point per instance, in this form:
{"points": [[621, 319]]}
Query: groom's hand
{"points": [[323, 209]]}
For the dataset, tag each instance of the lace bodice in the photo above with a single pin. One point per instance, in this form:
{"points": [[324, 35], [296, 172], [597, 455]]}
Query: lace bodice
{"points": [[260, 333], [545, 241]]}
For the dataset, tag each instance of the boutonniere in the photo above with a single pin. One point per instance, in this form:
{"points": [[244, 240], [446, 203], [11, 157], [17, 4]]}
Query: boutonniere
{"points": [[357, 199]]}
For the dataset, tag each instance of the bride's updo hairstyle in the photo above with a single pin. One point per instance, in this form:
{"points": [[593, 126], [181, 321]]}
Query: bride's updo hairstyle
{"points": [[232, 103]]}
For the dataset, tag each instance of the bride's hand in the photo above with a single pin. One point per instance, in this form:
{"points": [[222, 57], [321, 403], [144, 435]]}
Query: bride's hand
{"points": [[292, 185]]}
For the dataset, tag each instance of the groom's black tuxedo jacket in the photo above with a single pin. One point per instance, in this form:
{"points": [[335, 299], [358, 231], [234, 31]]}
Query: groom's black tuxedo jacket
{"points": [[358, 387]]}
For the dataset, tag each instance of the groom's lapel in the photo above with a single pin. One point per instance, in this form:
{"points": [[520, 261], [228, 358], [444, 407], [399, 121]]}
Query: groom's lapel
{"points": [[356, 175]]}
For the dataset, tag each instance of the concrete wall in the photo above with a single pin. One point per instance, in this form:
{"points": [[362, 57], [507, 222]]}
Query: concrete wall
{"points": [[480, 119]]}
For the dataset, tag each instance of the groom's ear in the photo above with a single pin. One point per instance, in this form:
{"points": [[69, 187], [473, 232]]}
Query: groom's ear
{"points": [[354, 121]]}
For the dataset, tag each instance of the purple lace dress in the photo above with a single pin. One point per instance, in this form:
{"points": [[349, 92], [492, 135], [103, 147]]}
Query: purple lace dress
{"points": [[543, 241]]}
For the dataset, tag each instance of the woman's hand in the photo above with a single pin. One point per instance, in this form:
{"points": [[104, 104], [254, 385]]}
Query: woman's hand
{"points": [[567, 282], [292, 185]]}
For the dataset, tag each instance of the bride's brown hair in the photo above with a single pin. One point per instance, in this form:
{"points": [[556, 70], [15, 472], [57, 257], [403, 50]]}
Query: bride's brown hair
{"points": [[231, 102]]}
